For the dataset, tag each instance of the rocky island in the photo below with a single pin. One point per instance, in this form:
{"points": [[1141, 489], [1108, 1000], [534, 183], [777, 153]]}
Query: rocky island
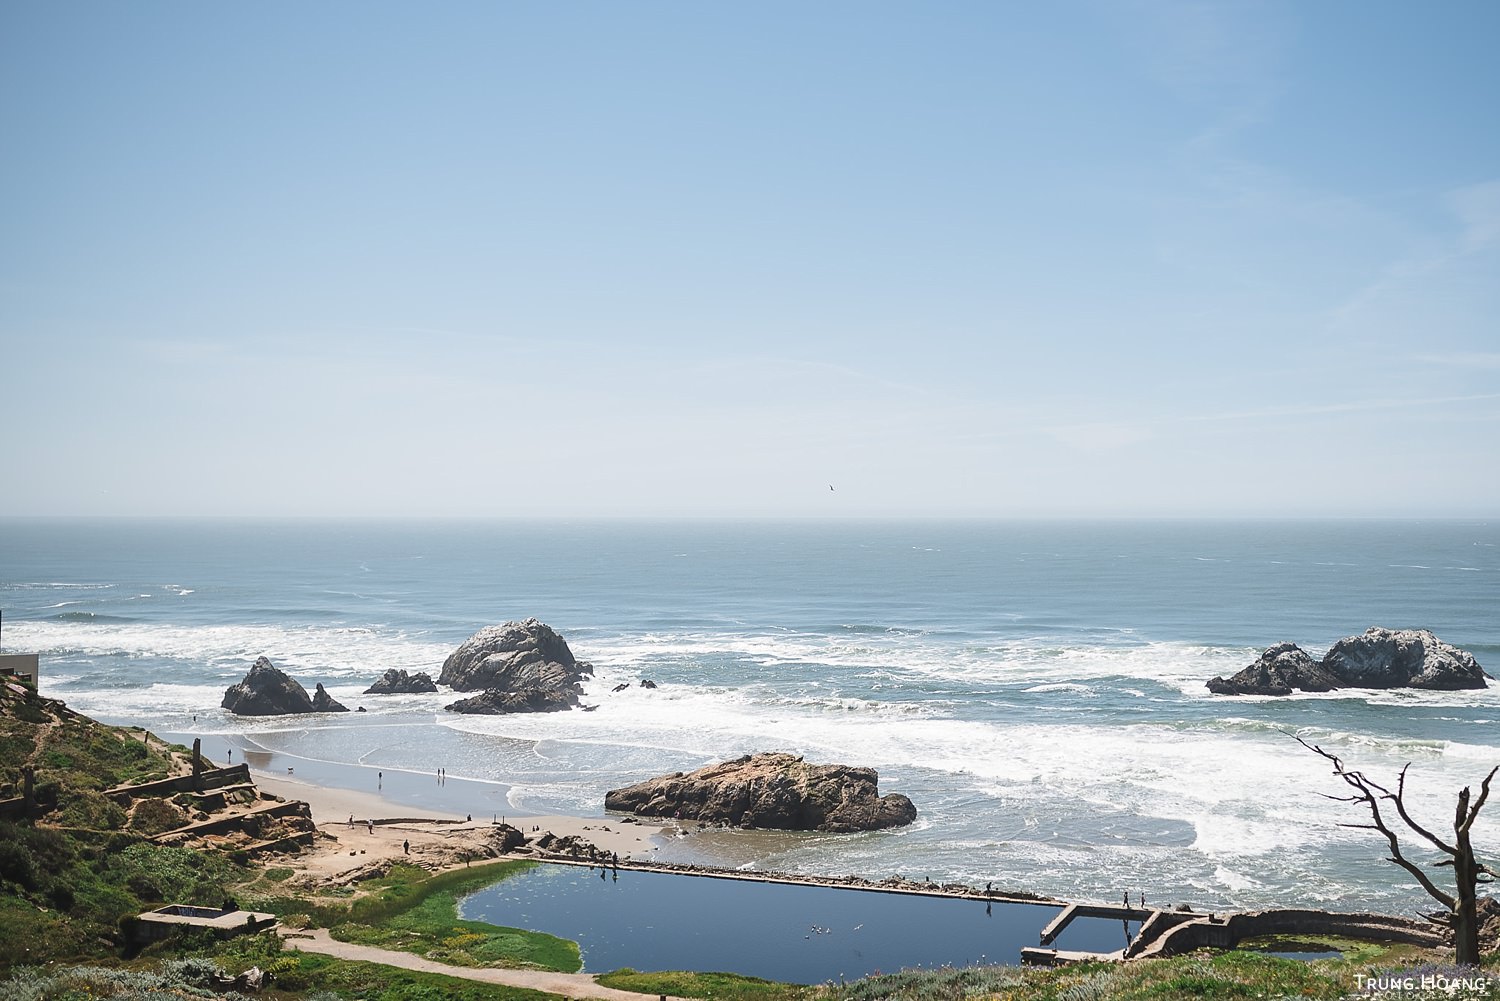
{"points": [[1378, 658], [266, 690], [774, 790], [516, 667]]}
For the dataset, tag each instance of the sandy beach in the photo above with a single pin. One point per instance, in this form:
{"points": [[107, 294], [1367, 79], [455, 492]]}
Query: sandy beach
{"points": [[384, 830]]}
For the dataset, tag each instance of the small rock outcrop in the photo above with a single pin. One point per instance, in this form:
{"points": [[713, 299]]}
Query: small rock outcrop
{"points": [[517, 667], [267, 691], [322, 702], [398, 682], [1281, 669], [1379, 658], [497, 702], [773, 790]]}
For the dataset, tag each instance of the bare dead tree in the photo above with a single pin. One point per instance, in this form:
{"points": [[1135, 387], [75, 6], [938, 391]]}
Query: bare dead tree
{"points": [[1468, 871]]}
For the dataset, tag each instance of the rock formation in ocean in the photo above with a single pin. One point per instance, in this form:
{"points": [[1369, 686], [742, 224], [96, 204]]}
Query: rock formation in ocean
{"points": [[1379, 658], [532, 699], [517, 667], [266, 691], [398, 682], [322, 702], [1278, 671], [1403, 658], [774, 790]]}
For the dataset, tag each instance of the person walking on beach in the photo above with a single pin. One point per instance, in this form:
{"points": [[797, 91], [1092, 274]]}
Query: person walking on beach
{"points": [[351, 820], [406, 847], [370, 826]]}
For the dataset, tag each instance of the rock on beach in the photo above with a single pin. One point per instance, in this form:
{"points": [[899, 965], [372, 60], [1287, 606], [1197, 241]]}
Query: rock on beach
{"points": [[773, 790]]}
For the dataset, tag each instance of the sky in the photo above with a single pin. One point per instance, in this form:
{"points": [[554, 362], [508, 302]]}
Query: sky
{"points": [[842, 259]]}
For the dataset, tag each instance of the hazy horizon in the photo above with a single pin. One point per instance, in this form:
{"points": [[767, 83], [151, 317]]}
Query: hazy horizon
{"points": [[1080, 260]]}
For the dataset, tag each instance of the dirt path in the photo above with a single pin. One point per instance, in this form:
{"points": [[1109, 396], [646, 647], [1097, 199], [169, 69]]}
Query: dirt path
{"points": [[572, 985]]}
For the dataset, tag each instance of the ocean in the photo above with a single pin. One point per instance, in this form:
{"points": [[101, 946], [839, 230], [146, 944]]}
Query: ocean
{"points": [[1036, 688]]}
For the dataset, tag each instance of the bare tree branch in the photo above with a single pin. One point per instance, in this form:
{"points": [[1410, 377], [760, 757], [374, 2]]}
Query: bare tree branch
{"points": [[1365, 791], [1484, 794], [1400, 801], [1468, 871]]}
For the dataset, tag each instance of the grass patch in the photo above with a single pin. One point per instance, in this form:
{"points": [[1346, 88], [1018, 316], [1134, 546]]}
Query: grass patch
{"points": [[1227, 976], [412, 911], [373, 982], [298, 975], [720, 986]]}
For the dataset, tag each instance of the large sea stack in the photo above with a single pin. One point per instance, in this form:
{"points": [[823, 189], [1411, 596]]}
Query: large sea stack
{"points": [[1379, 658], [517, 667], [772, 790], [267, 691]]}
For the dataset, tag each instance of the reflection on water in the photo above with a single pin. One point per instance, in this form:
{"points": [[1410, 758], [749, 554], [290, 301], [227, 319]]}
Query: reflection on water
{"points": [[798, 934], [258, 759], [1083, 934]]}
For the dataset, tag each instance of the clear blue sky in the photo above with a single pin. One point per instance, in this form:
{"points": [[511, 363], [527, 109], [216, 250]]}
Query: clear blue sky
{"points": [[993, 259]]}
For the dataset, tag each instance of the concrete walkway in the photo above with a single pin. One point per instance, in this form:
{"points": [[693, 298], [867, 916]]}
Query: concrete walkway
{"points": [[571, 985]]}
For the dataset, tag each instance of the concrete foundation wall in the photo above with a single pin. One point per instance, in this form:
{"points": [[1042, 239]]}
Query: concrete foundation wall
{"points": [[25, 665], [1229, 932]]}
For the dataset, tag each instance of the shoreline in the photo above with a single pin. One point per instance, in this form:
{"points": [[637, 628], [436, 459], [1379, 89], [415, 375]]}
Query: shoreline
{"points": [[438, 839], [380, 824]]}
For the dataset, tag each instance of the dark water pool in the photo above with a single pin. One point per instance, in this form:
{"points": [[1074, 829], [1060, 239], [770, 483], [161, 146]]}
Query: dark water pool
{"points": [[798, 934], [1096, 935]]}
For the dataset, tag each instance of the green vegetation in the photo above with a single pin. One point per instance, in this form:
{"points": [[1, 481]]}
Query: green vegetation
{"points": [[1228, 975], [719, 986], [73, 752], [314, 978], [61, 895], [373, 982], [72, 881], [411, 910], [1202, 975], [414, 912], [174, 980]]}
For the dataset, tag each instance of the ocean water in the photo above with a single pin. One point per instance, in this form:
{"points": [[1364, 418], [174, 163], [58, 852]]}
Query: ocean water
{"points": [[1036, 688]]}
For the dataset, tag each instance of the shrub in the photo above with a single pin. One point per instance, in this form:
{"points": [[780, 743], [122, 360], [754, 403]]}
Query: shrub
{"points": [[92, 811], [17, 865], [153, 816]]}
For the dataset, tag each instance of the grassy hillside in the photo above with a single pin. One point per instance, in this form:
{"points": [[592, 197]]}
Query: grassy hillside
{"points": [[77, 869]]}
